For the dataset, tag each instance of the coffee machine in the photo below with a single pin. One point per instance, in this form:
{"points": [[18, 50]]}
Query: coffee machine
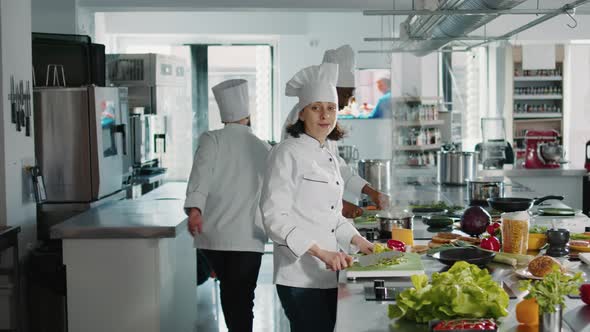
{"points": [[494, 150], [542, 149]]}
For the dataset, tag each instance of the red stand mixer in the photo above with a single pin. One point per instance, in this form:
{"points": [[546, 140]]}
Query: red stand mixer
{"points": [[542, 149]]}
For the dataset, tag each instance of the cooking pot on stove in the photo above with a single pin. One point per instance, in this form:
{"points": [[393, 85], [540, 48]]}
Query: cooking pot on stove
{"points": [[480, 190], [391, 220]]}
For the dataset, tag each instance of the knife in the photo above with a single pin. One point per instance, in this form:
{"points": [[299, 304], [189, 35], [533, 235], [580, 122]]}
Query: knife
{"points": [[22, 104], [12, 100], [374, 259], [27, 111], [20, 101]]}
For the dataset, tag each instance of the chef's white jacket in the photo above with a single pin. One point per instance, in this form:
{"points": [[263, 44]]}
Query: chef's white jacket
{"points": [[302, 206], [225, 184], [353, 183]]}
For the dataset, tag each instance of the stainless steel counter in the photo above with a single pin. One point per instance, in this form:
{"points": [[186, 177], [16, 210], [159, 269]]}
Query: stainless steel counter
{"points": [[167, 191], [426, 193], [125, 219], [357, 314], [458, 196]]}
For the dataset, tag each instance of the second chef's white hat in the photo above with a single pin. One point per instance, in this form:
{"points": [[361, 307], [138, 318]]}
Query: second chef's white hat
{"points": [[311, 84], [232, 99], [344, 57]]}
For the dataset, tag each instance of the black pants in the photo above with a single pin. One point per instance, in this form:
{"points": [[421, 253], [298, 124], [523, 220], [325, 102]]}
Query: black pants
{"points": [[203, 268], [309, 309], [237, 272]]}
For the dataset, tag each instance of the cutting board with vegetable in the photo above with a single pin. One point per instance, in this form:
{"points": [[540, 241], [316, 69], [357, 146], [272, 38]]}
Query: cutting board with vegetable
{"points": [[409, 265]]}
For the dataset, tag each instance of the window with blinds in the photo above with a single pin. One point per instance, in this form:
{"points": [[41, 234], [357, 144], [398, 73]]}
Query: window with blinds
{"points": [[464, 77], [252, 63]]}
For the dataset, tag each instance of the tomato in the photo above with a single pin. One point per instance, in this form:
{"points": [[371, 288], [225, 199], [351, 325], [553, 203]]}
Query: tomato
{"points": [[490, 243]]}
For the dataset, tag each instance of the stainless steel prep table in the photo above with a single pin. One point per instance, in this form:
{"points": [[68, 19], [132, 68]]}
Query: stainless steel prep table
{"points": [[130, 266], [356, 314], [125, 219]]}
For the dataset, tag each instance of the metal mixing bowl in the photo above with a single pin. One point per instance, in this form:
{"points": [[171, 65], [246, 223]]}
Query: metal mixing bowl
{"points": [[551, 152]]}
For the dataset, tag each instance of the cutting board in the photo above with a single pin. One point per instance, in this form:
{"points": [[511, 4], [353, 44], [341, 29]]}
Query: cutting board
{"points": [[412, 266]]}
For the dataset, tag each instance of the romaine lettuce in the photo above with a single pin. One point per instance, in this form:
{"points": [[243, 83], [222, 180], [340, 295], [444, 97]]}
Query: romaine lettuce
{"points": [[464, 291]]}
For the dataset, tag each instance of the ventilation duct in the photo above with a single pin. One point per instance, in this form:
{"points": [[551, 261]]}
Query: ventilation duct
{"points": [[434, 31]]}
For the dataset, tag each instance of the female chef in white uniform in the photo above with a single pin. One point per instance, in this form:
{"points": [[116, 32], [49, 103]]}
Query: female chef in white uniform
{"points": [[343, 56], [302, 203]]}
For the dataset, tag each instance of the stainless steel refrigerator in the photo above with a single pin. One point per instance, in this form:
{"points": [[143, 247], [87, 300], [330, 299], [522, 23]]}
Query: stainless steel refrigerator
{"points": [[80, 142]]}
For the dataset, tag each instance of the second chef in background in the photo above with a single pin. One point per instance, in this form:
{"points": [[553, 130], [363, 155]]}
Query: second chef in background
{"points": [[223, 203]]}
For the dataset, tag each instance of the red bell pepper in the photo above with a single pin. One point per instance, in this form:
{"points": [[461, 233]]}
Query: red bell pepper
{"points": [[396, 245], [490, 243], [493, 229]]}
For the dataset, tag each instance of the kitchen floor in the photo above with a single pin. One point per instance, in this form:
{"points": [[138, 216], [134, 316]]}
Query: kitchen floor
{"points": [[268, 313]]}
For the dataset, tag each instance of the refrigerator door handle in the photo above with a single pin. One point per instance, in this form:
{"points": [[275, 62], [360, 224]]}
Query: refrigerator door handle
{"points": [[121, 129], [156, 138]]}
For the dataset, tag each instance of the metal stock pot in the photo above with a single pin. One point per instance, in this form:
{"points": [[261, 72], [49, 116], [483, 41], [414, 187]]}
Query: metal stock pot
{"points": [[481, 190], [455, 167], [377, 172], [389, 221]]}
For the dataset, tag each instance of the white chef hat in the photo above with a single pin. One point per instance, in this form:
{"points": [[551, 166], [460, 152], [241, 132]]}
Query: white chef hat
{"points": [[232, 99], [311, 84], [344, 57]]}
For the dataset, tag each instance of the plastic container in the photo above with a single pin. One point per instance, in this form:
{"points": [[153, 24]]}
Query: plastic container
{"points": [[515, 232]]}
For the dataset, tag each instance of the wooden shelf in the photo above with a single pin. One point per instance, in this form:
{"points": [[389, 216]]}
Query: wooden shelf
{"points": [[552, 115], [538, 97], [418, 147], [537, 78], [419, 123]]}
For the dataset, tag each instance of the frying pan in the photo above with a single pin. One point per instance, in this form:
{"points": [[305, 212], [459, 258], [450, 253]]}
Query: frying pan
{"points": [[513, 204]]}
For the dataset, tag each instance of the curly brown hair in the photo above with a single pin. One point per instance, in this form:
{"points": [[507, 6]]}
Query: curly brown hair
{"points": [[298, 128]]}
